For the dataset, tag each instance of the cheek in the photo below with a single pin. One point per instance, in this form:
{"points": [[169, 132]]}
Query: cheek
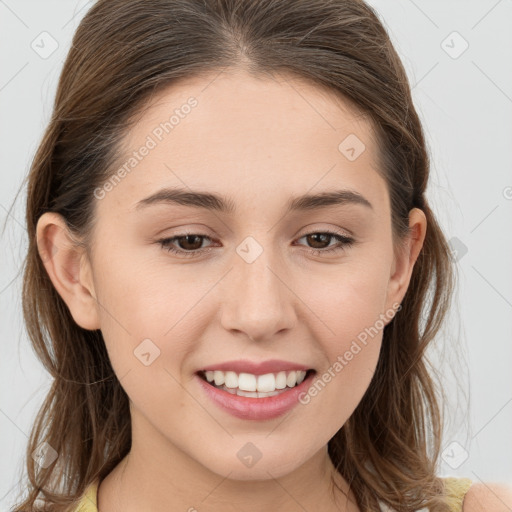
{"points": [[347, 299], [351, 358], [348, 379], [149, 324], [341, 383], [349, 305], [140, 298]]}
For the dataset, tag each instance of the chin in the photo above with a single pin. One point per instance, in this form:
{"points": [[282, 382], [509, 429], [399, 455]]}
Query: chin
{"points": [[266, 468]]}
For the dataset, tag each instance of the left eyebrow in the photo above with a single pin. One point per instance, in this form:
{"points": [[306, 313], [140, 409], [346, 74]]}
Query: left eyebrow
{"points": [[226, 205]]}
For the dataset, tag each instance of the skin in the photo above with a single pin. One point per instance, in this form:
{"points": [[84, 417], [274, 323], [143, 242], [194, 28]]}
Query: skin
{"points": [[260, 142], [496, 497]]}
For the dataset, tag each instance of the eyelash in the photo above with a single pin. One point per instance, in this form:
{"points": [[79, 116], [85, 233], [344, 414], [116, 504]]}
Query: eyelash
{"points": [[165, 243]]}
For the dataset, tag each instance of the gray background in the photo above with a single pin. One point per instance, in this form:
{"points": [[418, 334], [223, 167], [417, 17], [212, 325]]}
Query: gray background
{"points": [[464, 99]]}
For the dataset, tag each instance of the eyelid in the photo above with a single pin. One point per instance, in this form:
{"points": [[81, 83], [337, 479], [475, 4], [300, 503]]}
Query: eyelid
{"points": [[307, 230], [344, 242], [330, 229]]}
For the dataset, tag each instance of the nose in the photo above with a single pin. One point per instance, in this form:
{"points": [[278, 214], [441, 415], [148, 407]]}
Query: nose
{"points": [[257, 297]]}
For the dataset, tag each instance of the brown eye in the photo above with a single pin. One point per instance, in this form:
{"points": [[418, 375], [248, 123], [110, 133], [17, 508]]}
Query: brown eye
{"points": [[318, 241], [187, 245], [319, 238], [191, 242]]}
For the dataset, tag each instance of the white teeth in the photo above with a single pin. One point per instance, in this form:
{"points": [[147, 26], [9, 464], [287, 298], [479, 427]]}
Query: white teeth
{"points": [[265, 382], [251, 385], [250, 394], [231, 380], [247, 382], [281, 380], [291, 380], [218, 377], [300, 377]]}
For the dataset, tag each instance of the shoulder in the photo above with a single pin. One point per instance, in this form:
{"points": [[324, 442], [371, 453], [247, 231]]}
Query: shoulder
{"points": [[88, 502], [491, 497]]}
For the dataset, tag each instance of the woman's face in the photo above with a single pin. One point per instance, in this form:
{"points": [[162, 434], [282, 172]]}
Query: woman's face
{"points": [[260, 281]]}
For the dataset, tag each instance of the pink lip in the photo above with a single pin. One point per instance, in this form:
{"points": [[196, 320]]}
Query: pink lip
{"points": [[261, 368], [256, 408]]}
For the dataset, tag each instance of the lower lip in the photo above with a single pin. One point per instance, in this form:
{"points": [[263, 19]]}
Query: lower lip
{"points": [[256, 408]]}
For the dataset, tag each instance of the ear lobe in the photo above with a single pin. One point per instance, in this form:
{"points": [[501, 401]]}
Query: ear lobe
{"points": [[405, 259], [69, 269]]}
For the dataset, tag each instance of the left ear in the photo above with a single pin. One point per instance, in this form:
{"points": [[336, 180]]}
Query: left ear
{"points": [[405, 258]]}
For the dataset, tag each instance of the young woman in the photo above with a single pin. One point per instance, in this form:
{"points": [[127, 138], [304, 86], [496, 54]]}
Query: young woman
{"points": [[233, 271]]}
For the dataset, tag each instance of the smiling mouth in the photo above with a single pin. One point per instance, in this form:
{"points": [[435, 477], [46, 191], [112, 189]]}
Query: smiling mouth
{"points": [[252, 386]]}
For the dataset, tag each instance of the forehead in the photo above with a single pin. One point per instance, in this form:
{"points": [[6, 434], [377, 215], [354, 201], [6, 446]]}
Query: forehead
{"points": [[248, 137]]}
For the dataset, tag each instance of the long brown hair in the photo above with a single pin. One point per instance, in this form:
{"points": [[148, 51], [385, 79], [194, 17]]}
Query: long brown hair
{"points": [[123, 52]]}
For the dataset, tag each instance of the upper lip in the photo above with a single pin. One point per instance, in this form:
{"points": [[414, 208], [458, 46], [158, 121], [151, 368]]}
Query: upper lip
{"points": [[255, 367]]}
